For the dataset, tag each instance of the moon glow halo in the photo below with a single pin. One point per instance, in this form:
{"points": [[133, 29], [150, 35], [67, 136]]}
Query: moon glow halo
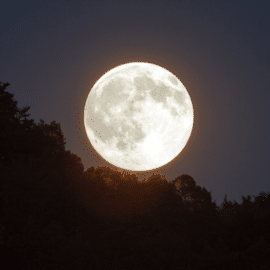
{"points": [[138, 116]]}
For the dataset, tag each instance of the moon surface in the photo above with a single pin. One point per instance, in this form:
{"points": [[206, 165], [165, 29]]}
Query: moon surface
{"points": [[138, 116]]}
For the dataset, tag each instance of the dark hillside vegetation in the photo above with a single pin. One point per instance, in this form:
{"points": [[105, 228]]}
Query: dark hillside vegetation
{"points": [[56, 215]]}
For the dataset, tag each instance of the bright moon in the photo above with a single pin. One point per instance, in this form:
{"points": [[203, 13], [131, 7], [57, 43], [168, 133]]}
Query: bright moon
{"points": [[138, 116]]}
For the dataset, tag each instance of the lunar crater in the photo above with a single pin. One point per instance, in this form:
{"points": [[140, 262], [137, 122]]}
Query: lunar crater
{"points": [[173, 80]]}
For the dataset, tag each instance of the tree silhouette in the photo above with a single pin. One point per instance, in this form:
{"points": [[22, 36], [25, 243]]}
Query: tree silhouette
{"points": [[194, 197], [185, 187], [14, 126], [55, 215]]}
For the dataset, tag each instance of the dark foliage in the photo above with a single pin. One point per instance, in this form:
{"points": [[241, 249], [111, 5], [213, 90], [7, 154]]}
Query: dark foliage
{"points": [[55, 215]]}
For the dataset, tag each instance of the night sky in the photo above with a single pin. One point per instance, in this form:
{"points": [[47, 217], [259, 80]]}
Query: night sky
{"points": [[52, 53]]}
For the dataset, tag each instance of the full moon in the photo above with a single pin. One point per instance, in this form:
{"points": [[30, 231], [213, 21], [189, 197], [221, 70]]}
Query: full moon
{"points": [[138, 116]]}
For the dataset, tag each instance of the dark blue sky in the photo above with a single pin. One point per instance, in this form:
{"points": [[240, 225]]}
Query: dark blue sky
{"points": [[52, 53]]}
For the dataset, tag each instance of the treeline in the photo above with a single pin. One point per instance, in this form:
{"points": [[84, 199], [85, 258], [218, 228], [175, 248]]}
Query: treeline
{"points": [[55, 215]]}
